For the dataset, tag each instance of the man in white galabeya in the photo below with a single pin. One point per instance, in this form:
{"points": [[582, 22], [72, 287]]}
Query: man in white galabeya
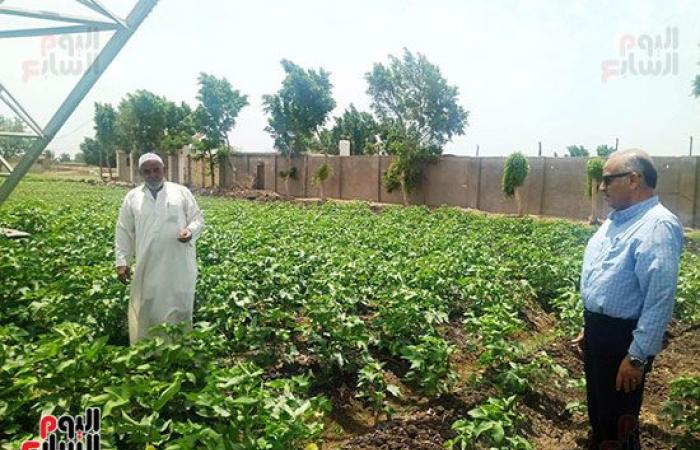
{"points": [[628, 284], [158, 225]]}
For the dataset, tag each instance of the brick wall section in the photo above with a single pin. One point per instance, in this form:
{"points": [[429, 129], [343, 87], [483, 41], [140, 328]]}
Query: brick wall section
{"points": [[554, 187]]}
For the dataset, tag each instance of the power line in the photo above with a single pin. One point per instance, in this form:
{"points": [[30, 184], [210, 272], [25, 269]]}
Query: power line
{"points": [[78, 128]]}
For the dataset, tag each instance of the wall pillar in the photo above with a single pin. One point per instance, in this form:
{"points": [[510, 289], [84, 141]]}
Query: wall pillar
{"points": [[173, 169], [122, 165]]}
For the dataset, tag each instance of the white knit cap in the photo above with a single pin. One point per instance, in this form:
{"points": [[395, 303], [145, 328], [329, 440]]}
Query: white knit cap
{"points": [[150, 157]]}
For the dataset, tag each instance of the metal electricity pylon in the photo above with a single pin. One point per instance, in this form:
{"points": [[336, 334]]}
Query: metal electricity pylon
{"points": [[65, 24]]}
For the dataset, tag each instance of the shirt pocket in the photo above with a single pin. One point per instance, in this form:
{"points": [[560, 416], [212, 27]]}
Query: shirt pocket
{"points": [[173, 212]]}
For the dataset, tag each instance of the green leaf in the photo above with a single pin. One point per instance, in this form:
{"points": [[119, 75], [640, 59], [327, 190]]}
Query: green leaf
{"points": [[168, 394], [497, 432], [394, 390], [245, 401]]}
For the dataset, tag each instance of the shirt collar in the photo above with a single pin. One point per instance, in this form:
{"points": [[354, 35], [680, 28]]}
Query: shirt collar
{"points": [[623, 215], [154, 193]]}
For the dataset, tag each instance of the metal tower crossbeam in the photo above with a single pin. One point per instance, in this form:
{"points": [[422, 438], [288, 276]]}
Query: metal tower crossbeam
{"points": [[98, 7], [124, 30], [48, 15], [6, 165], [32, 32], [24, 116]]}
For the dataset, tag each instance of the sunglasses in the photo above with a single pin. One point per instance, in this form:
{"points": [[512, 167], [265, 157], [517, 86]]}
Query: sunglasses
{"points": [[608, 178]]}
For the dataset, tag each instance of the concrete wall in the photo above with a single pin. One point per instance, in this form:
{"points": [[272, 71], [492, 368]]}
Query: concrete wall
{"points": [[564, 190], [491, 197], [332, 185], [173, 166], [123, 163], [669, 184], [200, 173], [241, 170], [415, 197], [178, 167], [360, 178], [554, 186], [296, 186], [449, 186]]}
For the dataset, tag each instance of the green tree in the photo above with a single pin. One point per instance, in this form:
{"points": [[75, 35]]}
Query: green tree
{"points": [[577, 151], [514, 173], [141, 122], [150, 123], [358, 127], [90, 149], [419, 113], [13, 146], [297, 111], [65, 157], [325, 142], [594, 174], [410, 159], [215, 116], [604, 151], [106, 136], [179, 126], [79, 157]]}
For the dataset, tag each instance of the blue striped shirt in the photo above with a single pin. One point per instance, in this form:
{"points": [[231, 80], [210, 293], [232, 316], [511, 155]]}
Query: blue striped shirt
{"points": [[630, 271]]}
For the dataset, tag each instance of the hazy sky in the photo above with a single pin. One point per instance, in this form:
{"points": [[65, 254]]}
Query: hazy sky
{"points": [[526, 70]]}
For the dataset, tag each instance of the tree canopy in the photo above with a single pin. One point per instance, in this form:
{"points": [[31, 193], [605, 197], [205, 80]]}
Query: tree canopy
{"points": [[412, 94], [299, 108], [215, 116], [106, 135], [419, 113], [147, 122], [577, 151], [514, 173], [604, 151], [358, 127], [219, 106]]}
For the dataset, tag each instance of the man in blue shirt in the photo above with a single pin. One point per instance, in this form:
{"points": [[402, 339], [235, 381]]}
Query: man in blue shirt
{"points": [[628, 283]]}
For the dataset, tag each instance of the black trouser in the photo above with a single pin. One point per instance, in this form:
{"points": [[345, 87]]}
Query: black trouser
{"points": [[614, 415]]}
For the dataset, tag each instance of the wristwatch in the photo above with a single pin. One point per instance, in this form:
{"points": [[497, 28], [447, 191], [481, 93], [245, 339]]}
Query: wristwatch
{"points": [[637, 363]]}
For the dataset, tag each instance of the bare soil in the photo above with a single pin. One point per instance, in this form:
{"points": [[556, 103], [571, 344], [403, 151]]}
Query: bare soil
{"points": [[421, 424]]}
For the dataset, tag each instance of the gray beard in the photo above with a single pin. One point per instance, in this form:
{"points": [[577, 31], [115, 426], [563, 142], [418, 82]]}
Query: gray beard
{"points": [[155, 187]]}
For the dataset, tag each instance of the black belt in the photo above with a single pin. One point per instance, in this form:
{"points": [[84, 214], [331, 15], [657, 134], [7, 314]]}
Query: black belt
{"points": [[603, 319]]}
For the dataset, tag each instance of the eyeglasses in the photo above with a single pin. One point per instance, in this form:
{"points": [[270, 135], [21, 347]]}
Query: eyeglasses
{"points": [[608, 178]]}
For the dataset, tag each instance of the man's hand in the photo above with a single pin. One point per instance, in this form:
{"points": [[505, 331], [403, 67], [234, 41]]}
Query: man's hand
{"points": [[628, 376], [185, 235], [578, 344], [124, 274]]}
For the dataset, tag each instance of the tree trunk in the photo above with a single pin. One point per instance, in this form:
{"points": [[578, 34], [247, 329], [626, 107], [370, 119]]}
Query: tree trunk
{"points": [[289, 173], [518, 200], [322, 187], [593, 220], [404, 193], [211, 169], [109, 171], [101, 164]]}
